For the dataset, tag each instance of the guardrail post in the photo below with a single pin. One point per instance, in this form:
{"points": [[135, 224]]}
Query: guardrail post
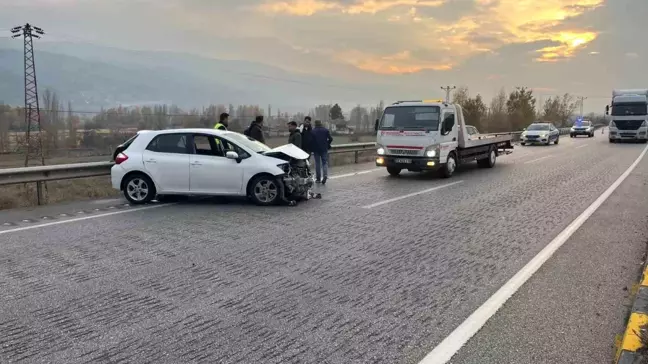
{"points": [[39, 193], [355, 157]]}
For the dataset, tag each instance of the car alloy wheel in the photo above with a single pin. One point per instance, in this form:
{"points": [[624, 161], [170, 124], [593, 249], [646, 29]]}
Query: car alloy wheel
{"points": [[139, 189], [265, 191]]}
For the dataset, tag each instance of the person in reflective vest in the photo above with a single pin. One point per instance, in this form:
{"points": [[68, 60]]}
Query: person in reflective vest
{"points": [[223, 123]]}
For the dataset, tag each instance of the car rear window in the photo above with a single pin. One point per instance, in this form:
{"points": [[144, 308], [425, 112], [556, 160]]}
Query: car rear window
{"points": [[130, 141]]}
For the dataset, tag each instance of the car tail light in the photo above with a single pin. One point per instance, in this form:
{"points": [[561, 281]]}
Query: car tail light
{"points": [[121, 158]]}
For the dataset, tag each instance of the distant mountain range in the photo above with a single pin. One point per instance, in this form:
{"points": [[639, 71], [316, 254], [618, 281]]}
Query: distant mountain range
{"points": [[93, 76]]}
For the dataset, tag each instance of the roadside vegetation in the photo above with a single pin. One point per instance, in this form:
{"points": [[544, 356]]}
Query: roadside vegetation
{"points": [[76, 136]]}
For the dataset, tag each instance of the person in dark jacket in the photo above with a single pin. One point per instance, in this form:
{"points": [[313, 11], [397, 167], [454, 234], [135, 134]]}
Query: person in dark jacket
{"points": [[307, 136], [321, 144], [295, 136], [255, 131]]}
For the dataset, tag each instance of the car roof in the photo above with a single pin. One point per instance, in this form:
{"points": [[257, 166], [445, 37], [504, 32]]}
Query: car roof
{"points": [[188, 130]]}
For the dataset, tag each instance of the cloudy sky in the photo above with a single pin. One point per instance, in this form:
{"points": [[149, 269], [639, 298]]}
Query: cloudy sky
{"points": [[585, 47]]}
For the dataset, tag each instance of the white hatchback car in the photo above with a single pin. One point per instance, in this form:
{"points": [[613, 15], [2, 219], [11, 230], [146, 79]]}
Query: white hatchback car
{"points": [[209, 162]]}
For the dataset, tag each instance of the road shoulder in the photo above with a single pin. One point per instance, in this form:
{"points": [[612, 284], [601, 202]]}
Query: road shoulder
{"points": [[572, 309]]}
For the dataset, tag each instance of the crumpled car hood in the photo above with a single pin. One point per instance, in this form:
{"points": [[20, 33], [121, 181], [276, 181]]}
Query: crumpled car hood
{"points": [[290, 150]]}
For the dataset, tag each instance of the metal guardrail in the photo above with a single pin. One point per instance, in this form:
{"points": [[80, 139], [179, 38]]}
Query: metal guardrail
{"points": [[41, 174]]}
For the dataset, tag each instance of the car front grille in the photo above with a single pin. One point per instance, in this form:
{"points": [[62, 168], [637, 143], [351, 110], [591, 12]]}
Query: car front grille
{"points": [[532, 137], [410, 152], [628, 124]]}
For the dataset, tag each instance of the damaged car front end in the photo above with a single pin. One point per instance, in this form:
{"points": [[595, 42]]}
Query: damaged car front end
{"points": [[297, 182]]}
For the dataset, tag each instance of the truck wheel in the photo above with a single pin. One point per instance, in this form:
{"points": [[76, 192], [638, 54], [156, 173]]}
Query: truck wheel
{"points": [[393, 171], [612, 140], [522, 143], [490, 161], [449, 167], [571, 135]]}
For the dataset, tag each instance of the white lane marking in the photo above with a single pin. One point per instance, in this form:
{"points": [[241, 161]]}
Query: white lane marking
{"points": [[410, 195], [355, 173], [97, 202], [582, 146], [538, 159], [82, 218], [460, 336]]}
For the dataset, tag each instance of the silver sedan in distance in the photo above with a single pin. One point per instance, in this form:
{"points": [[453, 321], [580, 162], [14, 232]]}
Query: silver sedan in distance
{"points": [[540, 133]]}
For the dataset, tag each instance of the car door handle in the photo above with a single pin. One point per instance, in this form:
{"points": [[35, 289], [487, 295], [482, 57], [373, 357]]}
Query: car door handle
{"points": [[196, 164], [151, 161]]}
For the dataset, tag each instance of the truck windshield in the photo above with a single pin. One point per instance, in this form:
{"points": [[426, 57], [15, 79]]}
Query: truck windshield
{"points": [[625, 109], [538, 127], [411, 117]]}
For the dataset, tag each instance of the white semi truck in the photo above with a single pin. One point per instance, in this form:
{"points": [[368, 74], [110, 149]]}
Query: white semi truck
{"points": [[628, 115], [432, 135]]}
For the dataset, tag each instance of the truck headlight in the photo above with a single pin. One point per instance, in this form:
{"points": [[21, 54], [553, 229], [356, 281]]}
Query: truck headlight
{"points": [[432, 151], [644, 124], [612, 124], [380, 150], [572, 129]]}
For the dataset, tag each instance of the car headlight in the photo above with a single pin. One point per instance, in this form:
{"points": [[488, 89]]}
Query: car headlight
{"points": [[543, 135], [432, 151], [284, 167], [380, 150]]}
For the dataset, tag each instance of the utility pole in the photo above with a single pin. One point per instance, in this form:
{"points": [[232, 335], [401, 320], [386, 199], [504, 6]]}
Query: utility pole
{"points": [[33, 144], [581, 101], [447, 90]]}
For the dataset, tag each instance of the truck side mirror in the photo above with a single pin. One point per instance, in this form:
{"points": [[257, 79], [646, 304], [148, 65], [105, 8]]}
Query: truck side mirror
{"points": [[447, 124], [607, 109]]}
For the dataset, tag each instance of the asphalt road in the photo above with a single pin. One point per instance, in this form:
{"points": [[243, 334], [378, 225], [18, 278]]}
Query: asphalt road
{"points": [[380, 270]]}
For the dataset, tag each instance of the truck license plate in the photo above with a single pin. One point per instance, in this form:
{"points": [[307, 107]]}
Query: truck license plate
{"points": [[403, 161]]}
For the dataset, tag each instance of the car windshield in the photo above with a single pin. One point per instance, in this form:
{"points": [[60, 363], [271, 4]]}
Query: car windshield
{"points": [[411, 117], [252, 144], [627, 109], [582, 123], [538, 127]]}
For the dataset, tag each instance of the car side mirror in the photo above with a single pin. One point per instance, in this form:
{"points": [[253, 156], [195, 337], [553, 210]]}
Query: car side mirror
{"points": [[607, 109], [233, 155]]}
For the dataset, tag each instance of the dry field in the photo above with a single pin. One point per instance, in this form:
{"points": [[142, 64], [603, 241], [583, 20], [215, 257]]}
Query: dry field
{"points": [[14, 196]]}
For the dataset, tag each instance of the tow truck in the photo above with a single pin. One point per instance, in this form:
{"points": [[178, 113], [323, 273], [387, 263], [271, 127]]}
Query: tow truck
{"points": [[431, 135]]}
